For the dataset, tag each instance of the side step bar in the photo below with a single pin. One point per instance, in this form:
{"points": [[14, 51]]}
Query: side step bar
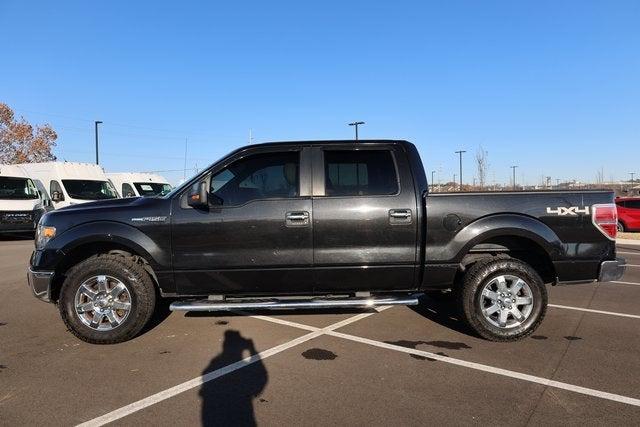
{"points": [[275, 304]]}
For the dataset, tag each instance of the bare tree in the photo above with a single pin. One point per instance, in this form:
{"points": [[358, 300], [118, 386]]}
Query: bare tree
{"points": [[482, 164], [21, 143]]}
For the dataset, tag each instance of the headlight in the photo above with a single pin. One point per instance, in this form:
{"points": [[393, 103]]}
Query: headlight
{"points": [[44, 233]]}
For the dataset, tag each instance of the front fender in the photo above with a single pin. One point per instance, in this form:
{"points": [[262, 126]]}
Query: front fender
{"points": [[501, 225], [113, 232]]}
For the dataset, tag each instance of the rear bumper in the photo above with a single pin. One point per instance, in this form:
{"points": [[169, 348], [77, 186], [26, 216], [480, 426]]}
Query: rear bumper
{"points": [[40, 283], [611, 270]]}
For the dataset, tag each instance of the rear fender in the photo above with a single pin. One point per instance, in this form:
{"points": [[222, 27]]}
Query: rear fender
{"points": [[504, 225]]}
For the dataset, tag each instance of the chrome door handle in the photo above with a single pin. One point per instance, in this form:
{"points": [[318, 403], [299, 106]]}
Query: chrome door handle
{"points": [[298, 216], [400, 216], [297, 219]]}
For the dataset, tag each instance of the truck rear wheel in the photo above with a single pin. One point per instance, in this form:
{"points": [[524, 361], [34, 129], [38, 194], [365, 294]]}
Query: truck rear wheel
{"points": [[503, 299], [107, 299]]}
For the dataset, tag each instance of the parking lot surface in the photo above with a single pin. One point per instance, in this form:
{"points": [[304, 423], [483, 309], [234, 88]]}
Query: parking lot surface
{"points": [[401, 365]]}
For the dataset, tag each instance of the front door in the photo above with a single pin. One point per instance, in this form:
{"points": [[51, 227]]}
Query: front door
{"points": [[256, 235], [364, 211]]}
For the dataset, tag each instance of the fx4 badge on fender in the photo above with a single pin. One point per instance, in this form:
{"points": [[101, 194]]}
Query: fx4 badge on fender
{"points": [[570, 211], [150, 219]]}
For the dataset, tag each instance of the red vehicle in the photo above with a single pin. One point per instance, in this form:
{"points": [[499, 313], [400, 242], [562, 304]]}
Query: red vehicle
{"points": [[628, 213]]}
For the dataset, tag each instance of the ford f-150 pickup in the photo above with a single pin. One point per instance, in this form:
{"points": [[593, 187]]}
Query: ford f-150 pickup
{"points": [[320, 224]]}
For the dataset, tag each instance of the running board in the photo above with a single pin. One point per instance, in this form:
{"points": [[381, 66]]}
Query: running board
{"points": [[275, 304]]}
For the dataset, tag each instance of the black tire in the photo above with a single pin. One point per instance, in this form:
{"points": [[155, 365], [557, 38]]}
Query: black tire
{"points": [[138, 283], [620, 227], [471, 299]]}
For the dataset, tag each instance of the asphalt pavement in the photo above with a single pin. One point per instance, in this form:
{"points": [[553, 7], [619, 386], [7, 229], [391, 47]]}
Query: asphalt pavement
{"points": [[401, 365]]}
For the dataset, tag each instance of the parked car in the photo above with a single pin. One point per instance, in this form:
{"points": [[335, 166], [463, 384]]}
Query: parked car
{"points": [[71, 183], [628, 213], [139, 184], [21, 203], [320, 224]]}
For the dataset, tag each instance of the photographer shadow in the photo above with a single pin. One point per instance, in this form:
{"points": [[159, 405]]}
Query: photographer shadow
{"points": [[229, 399]]}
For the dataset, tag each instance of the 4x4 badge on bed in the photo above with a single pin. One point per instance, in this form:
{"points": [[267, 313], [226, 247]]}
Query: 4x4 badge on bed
{"points": [[570, 211]]}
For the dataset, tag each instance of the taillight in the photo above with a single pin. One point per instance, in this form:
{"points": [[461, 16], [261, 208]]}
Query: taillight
{"points": [[605, 218]]}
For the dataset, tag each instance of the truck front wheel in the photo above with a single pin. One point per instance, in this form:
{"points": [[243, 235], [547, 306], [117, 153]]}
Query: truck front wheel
{"points": [[107, 299], [503, 299]]}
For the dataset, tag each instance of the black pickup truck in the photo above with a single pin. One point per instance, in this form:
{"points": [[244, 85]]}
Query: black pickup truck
{"points": [[320, 224]]}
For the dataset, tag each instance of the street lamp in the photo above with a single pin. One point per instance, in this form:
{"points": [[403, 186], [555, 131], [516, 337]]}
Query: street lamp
{"points": [[432, 181], [460, 153], [356, 124], [97, 122], [514, 176]]}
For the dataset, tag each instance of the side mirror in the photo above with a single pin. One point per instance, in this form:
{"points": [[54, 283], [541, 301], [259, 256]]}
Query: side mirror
{"points": [[198, 197], [56, 196]]}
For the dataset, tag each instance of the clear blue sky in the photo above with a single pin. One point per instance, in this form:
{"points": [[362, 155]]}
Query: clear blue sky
{"points": [[552, 86]]}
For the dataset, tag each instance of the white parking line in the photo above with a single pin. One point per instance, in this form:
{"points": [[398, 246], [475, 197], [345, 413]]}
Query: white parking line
{"points": [[628, 253], [498, 371], [480, 367], [588, 310], [631, 265], [625, 283], [330, 330], [198, 381]]}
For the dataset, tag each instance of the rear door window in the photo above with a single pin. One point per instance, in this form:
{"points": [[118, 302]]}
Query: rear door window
{"points": [[359, 173]]}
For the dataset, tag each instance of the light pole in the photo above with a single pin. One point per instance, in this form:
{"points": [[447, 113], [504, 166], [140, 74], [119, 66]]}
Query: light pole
{"points": [[632, 175], [514, 176], [356, 124], [432, 181], [97, 122], [460, 153]]}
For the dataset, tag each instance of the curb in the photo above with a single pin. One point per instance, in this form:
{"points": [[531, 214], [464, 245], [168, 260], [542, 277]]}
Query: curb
{"points": [[628, 242]]}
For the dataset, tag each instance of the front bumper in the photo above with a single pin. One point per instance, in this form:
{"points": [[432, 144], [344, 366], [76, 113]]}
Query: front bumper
{"points": [[611, 270], [40, 283]]}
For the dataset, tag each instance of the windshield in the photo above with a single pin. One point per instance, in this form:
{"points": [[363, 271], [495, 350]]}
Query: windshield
{"points": [[82, 189], [146, 189], [17, 188]]}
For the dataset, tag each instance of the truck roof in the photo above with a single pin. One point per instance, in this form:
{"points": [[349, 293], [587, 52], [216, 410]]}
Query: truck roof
{"points": [[330, 141]]}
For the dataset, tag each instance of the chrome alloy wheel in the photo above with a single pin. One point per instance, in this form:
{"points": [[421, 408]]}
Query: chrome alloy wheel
{"points": [[103, 303], [506, 301]]}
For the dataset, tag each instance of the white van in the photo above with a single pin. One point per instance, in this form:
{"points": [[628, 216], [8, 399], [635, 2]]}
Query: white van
{"points": [[70, 183], [21, 203], [139, 184]]}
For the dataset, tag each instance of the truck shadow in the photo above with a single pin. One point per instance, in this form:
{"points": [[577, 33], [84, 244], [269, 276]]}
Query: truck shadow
{"points": [[229, 399], [304, 312], [442, 311]]}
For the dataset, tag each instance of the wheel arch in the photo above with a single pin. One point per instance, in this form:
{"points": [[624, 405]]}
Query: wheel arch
{"points": [[83, 242], [516, 236]]}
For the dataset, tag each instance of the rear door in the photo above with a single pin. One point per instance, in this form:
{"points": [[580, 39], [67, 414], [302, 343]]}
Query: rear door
{"points": [[364, 227]]}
